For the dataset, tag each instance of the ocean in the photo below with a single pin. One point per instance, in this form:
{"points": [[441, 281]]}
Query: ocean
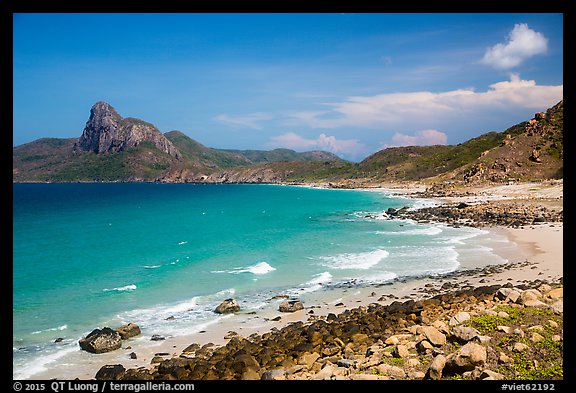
{"points": [[163, 256]]}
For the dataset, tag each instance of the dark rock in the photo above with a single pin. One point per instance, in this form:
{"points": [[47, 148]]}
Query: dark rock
{"points": [[157, 337], [346, 363], [140, 374], [227, 306], [133, 355], [101, 340], [110, 372], [174, 366], [291, 306], [273, 375], [391, 211], [59, 340], [129, 330]]}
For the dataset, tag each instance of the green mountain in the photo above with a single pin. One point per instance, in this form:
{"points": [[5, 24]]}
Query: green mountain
{"points": [[531, 150], [280, 155], [113, 148]]}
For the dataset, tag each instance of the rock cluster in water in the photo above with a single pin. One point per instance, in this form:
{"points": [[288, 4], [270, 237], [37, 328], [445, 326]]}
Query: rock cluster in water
{"points": [[483, 214], [107, 339]]}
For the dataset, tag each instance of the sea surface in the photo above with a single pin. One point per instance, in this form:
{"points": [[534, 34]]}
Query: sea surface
{"points": [[87, 256]]}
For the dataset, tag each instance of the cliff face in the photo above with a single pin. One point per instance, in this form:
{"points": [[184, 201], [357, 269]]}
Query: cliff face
{"points": [[107, 131]]}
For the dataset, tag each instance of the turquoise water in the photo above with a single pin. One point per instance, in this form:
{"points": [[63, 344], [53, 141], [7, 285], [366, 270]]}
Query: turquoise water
{"points": [[95, 255]]}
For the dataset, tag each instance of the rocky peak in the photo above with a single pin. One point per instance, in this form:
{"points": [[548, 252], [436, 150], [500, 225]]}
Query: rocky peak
{"points": [[107, 131]]}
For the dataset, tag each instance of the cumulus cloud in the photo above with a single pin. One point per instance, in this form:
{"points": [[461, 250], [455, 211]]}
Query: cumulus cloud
{"points": [[521, 44], [425, 108], [248, 121], [421, 138], [291, 140]]}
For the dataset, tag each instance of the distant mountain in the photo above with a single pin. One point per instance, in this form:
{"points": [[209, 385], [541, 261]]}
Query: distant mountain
{"points": [[113, 148], [531, 150], [106, 132], [207, 157], [280, 155]]}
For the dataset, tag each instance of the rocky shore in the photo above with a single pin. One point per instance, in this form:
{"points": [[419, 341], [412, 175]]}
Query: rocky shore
{"points": [[507, 214], [456, 326], [496, 332]]}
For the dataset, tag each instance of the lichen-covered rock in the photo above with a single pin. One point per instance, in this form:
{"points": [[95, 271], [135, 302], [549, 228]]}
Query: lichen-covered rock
{"points": [[290, 306], [110, 372], [101, 340], [129, 330], [227, 306]]}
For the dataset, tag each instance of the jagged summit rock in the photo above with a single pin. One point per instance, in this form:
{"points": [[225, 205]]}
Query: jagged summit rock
{"points": [[107, 131]]}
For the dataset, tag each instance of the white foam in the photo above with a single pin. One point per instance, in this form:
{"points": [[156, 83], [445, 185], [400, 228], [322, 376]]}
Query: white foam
{"points": [[181, 243], [465, 234], [63, 327], [184, 306], [152, 266], [429, 231], [316, 283], [426, 260], [364, 260], [259, 268], [39, 364], [321, 278], [130, 287]]}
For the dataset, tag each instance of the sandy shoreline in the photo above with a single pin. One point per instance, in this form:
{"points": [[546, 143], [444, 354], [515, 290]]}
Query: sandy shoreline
{"points": [[540, 246]]}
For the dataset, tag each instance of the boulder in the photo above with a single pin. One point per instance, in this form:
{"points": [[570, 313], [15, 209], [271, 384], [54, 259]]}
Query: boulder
{"points": [[466, 358], [110, 372], [101, 340], [490, 375], [308, 359], [390, 370], [555, 294], [558, 306], [129, 330], [227, 306], [400, 351], [273, 375], [529, 296], [464, 334], [509, 294], [436, 367], [290, 306], [459, 318], [434, 336]]}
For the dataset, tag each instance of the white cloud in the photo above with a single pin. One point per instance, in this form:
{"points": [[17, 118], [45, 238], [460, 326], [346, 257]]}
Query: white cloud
{"points": [[421, 138], [248, 121], [291, 140], [522, 43], [424, 109]]}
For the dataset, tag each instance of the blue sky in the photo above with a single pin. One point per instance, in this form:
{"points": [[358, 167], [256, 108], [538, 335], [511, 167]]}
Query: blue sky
{"points": [[347, 83]]}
